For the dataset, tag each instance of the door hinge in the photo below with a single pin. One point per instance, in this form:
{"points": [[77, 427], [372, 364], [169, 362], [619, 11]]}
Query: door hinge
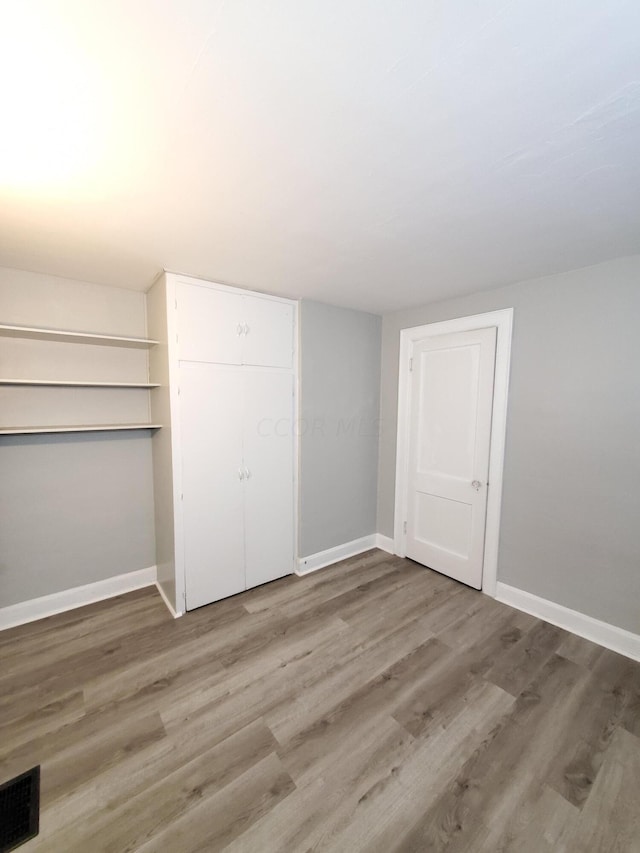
{"points": [[410, 365], [404, 527]]}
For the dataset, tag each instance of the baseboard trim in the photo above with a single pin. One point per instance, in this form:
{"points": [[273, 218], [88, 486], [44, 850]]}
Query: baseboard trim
{"points": [[69, 599], [176, 614], [313, 562], [611, 637], [385, 543]]}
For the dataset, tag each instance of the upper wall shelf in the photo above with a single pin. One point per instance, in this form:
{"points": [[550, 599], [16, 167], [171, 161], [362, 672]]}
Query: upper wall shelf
{"points": [[72, 383], [73, 337], [41, 430]]}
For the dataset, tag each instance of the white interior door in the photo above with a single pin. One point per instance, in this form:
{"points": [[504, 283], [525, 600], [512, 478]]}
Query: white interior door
{"points": [[450, 433], [211, 411], [268, 460], [210, 324]]}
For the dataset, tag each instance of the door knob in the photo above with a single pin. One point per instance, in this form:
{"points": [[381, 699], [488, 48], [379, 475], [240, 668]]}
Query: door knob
{"points": [[477, 485]]}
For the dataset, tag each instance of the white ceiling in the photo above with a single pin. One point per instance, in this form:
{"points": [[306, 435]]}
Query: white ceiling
{"points": [[370, 153]]}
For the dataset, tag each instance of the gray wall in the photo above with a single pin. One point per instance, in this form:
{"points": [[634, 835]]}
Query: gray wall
{"points": [[339, 406], [74, 509], [571, 504]]}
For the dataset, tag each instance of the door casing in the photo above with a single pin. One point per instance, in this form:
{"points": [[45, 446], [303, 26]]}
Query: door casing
{"points": [[503, 322]]}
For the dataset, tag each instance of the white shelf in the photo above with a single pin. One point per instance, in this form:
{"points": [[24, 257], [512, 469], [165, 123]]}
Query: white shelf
{"points": [[65, 335], [73, 337], [63, 383], [39, 430]]}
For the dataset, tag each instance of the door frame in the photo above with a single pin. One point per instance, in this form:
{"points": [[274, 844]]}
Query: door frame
{"points": [[502, 319]]}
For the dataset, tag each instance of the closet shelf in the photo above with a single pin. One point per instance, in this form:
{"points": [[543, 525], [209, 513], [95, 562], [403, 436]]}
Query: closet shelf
{"points": [[73, 383], [39, 430], [73, 337]]}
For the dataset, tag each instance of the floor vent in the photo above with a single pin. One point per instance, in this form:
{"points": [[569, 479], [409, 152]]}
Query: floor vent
{"points": [[19, 809]]}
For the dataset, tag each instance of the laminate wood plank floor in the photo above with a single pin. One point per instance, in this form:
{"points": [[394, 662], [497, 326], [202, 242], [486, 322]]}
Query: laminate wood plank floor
{"points": [[372, 706]]}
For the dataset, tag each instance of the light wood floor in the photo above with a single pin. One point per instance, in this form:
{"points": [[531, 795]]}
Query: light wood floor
{"points": [[372, 706]]}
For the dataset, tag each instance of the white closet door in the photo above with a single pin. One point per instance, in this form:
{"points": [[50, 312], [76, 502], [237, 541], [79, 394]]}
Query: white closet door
{"points": [[268, 332], [268, 461], [211, 402], [210, 326]]}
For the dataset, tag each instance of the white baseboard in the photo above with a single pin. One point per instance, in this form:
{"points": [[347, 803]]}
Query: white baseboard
{"points": [[385, 543], [176, 614], [333, 555], [611, 637], [68, 599]]}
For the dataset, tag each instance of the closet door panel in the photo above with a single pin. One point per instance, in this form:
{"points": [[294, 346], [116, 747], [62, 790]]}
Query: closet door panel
{"points": [[209, 325], [268, 333], [268, 460], [211, 425]]}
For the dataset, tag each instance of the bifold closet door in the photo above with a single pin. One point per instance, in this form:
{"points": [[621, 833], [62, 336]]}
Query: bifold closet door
{"points": [[211, 416], [268, 460]]}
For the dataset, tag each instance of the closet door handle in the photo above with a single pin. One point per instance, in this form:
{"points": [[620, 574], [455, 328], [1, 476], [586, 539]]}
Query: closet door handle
{"points": [[240, 474], [246, 329], [247, 474], [239, 329]]}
